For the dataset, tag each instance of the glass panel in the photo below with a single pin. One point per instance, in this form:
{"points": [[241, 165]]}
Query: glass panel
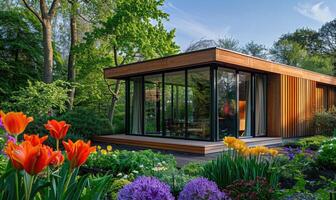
{"points": [[244, 104], [199, 100], [227, 102], [260, 105], [175, 104], [136, 105], [153, 105]]}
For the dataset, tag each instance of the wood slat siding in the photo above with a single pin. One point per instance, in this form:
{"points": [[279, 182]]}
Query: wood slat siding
{"points": [[325, 97], [291, 106]]}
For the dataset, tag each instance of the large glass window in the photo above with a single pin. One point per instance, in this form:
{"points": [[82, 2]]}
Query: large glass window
{"points": [[245, 104], [136, 105], [174, 117], [153, 104], [227, 102], [199, 103]]}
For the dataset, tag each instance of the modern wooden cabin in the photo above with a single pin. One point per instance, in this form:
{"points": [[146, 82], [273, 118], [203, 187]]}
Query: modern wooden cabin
{"points": [[208, 94]]}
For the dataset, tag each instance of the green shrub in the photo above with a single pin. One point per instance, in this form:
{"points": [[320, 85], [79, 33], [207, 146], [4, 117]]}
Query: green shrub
{"points": [[116, 186], [123, 163], [175, 178], [313, 142], [3, 164], [193, 169], [226, 169], [258, 189], [327, 154], [84, 123], [325, 122]]}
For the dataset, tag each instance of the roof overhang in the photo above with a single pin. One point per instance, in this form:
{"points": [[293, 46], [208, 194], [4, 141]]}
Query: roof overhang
{"points": [[214, 55]]}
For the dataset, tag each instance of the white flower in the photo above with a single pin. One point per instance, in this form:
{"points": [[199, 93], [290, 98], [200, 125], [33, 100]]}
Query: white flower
{"points": [[135, 171], [141, 166], [125, 176], [119, 174]]}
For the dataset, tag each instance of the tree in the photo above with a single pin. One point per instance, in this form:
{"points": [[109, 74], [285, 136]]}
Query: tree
{"points": [[327, 34], [21, 51], [225, 43], [288, 52], [307, 38], [131, 36], [254, 49], [45, 16]]}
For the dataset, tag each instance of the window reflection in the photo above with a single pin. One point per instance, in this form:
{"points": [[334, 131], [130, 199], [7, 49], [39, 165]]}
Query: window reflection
{"points": [[244, 104]]}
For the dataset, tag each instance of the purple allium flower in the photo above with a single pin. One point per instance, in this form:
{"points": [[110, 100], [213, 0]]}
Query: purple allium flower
{"points": [[148, 188], [291, 152], [1, 123], [202, 188]]}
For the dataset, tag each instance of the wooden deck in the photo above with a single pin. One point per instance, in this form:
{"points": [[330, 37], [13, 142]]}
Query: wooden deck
{"points": [[180, 145]]}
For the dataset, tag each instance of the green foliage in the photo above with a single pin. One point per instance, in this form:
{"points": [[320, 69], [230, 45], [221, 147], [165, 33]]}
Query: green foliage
{"points": [[39, 98], [175, 178], [325, 122], [193, 169], [327, 154], [116, 186], [84, 124], [226, 169], [3, 164], [258, 189], [128, 163], [312, 143], [254, 49]]}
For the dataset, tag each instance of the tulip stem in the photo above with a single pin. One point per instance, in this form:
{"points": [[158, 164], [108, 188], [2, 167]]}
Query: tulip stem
{"points": [[17, 185], [57, 144]]}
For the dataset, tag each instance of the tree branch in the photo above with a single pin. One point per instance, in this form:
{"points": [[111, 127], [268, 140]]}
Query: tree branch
{"points": [[31, 9], [115, 56], [53, 8]]}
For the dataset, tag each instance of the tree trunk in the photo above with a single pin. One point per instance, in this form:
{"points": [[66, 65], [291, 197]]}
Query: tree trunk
{"points": [[48, 51], [71, 60], [114, 100]]}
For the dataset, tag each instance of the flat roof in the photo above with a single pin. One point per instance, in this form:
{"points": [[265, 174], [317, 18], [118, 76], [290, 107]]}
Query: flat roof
{"points": [[214, 55]]}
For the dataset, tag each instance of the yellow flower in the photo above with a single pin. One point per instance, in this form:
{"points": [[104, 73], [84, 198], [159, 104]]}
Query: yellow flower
{"points": [[259, 150], [109, 148], [103, 151], [229, 141], [98, 147], [273, 152]]}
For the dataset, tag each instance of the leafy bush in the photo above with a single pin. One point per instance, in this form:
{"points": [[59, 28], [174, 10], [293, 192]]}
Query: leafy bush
{"points": [[327, 154], [39, 98], [84, 123], [116, 186], [193, 169], [148, 188], [325, 122], [226, 169], [300, 196], [3, 164], [258, 189], [127, 162], [312, 143], [175, 178], [201, 188]]}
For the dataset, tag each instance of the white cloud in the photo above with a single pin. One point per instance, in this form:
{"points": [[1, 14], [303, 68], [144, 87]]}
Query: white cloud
{"points": [[192, 25], [319, 11]]}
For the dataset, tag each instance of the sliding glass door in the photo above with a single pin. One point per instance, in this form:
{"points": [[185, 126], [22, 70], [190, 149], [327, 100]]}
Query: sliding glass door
{"points": [[260, 105], [136, 106], [244, 104]]}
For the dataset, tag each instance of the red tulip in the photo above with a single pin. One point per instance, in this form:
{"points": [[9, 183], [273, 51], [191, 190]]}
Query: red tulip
{"points": [[33, 159], [78, 152], [15, 122], [35, 139], [58, 159], [58, 130]]}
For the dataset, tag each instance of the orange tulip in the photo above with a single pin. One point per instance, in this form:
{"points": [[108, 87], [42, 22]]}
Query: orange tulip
{"points": [[78, 152], [33, 159], [58, 130], [58, 159], [35, 139], [15, 122]]}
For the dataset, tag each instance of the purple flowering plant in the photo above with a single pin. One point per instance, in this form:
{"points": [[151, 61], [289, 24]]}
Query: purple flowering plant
{"points": [[148, 188], [202, 188]]}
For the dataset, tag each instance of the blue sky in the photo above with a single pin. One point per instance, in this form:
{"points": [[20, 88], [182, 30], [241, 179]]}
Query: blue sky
{"points": [[262, 21]]}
